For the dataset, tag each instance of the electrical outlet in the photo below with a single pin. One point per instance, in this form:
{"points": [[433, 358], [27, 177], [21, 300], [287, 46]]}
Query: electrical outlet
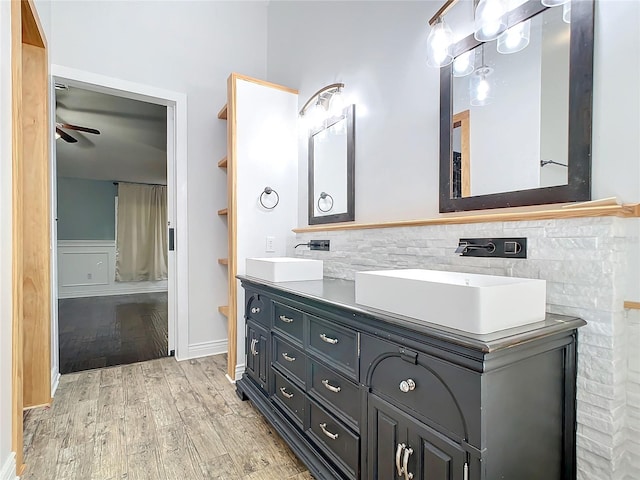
{"points": [[89, 276], [270, 244], [319, 245]]}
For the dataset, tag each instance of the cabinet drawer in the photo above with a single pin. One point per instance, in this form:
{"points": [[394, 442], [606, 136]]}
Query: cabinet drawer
{"points": [[340, 444], [341, 394], [288, 321], [336, 345], [258, 308], [289, 359], [290, 398]]}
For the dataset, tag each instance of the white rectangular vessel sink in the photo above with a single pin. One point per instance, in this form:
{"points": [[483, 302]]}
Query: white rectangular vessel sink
{"points": [[284, 269], [472, 303]]}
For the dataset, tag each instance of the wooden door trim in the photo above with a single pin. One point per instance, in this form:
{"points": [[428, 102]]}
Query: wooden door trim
{"points": [[462, 120]]}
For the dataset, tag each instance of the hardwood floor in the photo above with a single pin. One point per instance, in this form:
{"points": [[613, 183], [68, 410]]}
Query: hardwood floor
{"points": [[99, 332], [156, 420]]}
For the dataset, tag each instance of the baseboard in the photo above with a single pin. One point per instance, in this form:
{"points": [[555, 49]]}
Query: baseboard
{"points": [[55, 379], [204, 349], [8, 470], [239, 371], [84, 293]]}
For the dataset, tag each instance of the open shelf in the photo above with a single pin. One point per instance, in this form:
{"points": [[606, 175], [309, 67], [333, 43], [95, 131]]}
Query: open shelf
{"points": [[224, 211], [224, 309], [222, 114], [223, 163], [223, 261]]}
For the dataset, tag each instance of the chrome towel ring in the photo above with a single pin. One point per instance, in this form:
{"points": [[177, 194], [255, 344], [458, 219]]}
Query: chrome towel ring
{"points": [[269, 191], [323, 196]]}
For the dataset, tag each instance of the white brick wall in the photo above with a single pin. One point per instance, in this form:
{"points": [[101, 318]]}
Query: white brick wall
{"points": [[586, 264]]}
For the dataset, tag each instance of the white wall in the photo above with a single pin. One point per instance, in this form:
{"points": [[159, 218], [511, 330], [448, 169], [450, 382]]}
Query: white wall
{"points": [[378, 50], [182, 46]]}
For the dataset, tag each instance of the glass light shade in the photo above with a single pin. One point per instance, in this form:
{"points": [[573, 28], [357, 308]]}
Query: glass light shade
{"points": [[480, 87], [490, 20], [439, 45], [336, 104], [515, 39], [566, 12], [463, 64], [553, 3], [315, 116]]}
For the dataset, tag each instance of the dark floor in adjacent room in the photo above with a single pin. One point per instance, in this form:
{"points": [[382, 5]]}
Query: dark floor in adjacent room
{"points": [[97, 332]]}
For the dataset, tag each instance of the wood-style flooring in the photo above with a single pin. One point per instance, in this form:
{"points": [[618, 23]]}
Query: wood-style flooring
{"points": [[97, 332], [156, 420]]}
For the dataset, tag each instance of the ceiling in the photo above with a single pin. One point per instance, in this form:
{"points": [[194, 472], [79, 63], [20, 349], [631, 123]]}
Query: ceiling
{"points": [[132, 145]]}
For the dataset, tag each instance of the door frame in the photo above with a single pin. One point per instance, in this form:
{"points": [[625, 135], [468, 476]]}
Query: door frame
{"points": [[176, 103]]}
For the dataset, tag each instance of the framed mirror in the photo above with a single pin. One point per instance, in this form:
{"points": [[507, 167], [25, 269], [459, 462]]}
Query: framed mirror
{"points": [[332, 169], [515, 129]]}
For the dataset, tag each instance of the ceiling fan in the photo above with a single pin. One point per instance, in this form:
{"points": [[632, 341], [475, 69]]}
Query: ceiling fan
{"points": [[68, 138]]}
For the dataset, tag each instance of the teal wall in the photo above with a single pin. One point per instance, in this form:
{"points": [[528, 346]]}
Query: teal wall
{"points": [[86, 209]]}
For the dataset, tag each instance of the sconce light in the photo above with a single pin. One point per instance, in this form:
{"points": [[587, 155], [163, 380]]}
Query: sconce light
{"points": [[464, 64], [480, 91], [439, 44], [325, 103], [490, 20], [515, 38]]}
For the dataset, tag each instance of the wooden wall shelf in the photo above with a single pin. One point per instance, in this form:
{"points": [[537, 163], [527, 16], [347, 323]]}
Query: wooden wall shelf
{"points": [[224, 309], [223, 211], [223, 163], [632, 305], [222, 114], [223, 261]]}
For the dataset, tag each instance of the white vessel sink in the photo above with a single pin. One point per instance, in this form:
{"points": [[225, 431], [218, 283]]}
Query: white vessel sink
{"points": [[470, 302], [284, 269]]}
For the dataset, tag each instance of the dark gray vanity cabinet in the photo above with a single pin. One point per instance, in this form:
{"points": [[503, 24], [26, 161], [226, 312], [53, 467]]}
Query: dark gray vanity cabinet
{"points": [[363, 395]]}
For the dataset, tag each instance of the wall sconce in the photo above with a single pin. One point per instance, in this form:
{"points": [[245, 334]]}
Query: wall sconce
{"points": [[490, 20], [322, 105], [515, 38]]}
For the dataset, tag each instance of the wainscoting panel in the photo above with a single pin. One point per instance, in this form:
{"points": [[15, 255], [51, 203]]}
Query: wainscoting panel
{"points": [[87, 268]]}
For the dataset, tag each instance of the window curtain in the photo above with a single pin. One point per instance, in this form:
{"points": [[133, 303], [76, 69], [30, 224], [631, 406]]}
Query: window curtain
{"points": [[141, 236]]}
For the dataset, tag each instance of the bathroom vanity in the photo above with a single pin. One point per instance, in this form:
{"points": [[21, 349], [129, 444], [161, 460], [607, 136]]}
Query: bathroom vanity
{"points": [[362, 394]]}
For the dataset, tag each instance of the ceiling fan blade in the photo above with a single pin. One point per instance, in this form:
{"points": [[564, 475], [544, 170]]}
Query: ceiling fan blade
{"points": [[65, 136], [80, 129]]}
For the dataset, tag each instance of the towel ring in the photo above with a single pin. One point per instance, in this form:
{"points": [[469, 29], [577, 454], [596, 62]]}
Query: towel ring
{"points": [[324, 195], [269, 191]]}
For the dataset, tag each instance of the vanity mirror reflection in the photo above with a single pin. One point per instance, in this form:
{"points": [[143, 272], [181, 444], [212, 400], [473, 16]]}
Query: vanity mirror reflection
{"points": [[331, 170], [516, 122]]}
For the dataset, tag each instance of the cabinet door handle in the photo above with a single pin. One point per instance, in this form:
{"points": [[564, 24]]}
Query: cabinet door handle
{"points": [[286, 356], [254, 351], [328, 386], [285, 394], [330, 340], [285, 319], [405, 463], [332, 436], [407, 385], [255, 310], [399, 457]]}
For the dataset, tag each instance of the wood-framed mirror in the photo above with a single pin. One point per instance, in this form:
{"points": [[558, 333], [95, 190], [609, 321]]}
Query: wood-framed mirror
{"points": [[332, 170], [532, 144]]}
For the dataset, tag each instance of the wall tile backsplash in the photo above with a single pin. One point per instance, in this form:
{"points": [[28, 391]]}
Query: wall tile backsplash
{"points": [[586, 263]]}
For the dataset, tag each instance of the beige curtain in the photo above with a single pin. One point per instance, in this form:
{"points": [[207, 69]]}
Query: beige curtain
{"points": [[141, 243]]}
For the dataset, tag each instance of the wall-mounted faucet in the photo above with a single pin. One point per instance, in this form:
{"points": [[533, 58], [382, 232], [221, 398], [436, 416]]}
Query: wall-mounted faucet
{"points": [[464, 247], [493, 247]]}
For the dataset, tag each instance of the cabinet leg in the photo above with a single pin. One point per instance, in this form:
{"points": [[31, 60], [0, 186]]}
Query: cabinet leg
{"points": [[240, 393]]}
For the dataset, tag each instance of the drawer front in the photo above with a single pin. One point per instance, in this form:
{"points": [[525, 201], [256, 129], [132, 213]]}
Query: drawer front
{"points": [[289, 359], [290, 398], [258, 308], [288, 321], [340, 444], [341, 394], [336, 345]]}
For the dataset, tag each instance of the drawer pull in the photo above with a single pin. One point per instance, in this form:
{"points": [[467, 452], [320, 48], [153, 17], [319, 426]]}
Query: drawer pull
{"points": [[286, 319], [328, 386], [399, 458], [405, 463], [332, 436], [254, 350], [407, 385], [255, 310], [285, 394], [286, 356], [330, 340]]}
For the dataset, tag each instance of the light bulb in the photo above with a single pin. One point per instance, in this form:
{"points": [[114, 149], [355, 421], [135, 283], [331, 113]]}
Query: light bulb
{"points": [[553, 3], [515, 39], [480, 87], [490, 20], [566, 12], [439, 45], [336, 104], [463, 64]]}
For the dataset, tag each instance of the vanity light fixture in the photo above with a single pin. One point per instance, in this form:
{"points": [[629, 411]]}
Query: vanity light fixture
{"points": [[479, 85], [515, 38], [463, 64], [439, 43], [322, 105], [490, 19]]}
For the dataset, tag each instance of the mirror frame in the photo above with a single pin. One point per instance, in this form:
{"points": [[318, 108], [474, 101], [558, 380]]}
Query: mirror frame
{"points": [[578, 187], [348, 114]]}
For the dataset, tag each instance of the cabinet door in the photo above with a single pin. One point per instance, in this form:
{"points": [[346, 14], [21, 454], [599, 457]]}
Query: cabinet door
{"points": [[401, 447], [257, 354]]}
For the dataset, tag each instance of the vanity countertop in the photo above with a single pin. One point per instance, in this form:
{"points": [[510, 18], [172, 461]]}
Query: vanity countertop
{"points": [[341, 294]]}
